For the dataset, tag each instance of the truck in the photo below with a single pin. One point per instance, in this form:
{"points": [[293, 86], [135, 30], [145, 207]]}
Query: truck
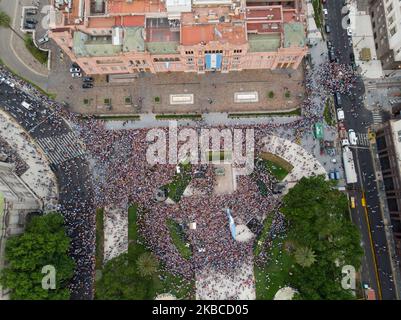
{"points": [[349, 166], [370, 294]]}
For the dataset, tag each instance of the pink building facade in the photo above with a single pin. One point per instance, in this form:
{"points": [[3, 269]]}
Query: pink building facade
{"points": [[117, 37]]}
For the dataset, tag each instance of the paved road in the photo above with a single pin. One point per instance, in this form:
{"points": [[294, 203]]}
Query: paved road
{"points": [[67, 160], [376, 269], [10, 57]]}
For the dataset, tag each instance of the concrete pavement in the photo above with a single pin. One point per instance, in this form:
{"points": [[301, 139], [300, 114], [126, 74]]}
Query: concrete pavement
{"points": [[20, 60]]}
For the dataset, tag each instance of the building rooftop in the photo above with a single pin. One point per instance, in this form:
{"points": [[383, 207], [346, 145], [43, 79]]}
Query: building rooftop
{"points": [[264, 42], [294, 35]]}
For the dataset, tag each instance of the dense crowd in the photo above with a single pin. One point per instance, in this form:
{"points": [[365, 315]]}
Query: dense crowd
{"points": [[120, 175]]}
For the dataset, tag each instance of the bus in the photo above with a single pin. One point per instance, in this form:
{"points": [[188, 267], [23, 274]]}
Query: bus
{"points": [[26, 105], [349, 166]]}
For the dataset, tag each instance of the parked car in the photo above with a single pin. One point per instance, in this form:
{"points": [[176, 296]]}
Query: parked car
{"points": [[31, 12], [326, 13], [349, 32], [337, 99], [329, 44], [332, 55], [74, 65], [75, 70], [31, 20], [340, 114], [76, 75], [352, 137], [43, 40], [88, 79], [87, 85], [29, 26], [327, 28], [352, 56], [344, 142]]}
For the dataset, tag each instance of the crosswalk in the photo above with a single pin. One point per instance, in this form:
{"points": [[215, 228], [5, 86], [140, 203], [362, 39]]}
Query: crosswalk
{"points": [[377, 117], [61, 148], [363, 139]]}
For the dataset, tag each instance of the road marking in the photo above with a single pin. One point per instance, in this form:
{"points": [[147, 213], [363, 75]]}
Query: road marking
{"points": [[377, 117], [61, 148], [369, 233]]}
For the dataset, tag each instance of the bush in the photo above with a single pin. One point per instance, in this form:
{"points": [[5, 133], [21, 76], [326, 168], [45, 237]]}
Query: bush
{"points": [[287, 94], [270, 94], [157, 99], [38, 54]]}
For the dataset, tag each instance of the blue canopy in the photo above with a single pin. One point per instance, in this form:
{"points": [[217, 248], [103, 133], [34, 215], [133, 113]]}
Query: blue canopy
{"points": [[231, 222]]}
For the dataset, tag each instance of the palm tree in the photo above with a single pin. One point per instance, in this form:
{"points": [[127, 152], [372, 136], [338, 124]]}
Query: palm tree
{"points": [[304, 256], [147, 264]]}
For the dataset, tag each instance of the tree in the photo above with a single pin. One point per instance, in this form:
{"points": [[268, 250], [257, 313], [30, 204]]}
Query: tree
{"points": [[43, 243], [120, 281], [304, 256], [147, 264], [318, 220], [5, 20]]}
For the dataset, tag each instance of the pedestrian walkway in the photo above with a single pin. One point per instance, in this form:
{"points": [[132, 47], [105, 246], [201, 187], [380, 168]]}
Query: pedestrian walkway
{"points": [[214, 285], [377, 117], [363, 139], [61, 148]]}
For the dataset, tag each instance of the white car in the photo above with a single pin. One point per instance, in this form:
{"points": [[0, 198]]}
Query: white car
{"points": [[340, 114], [43, 40], [325, 12], [76, 75], [345, 142], [352, 137], [11, 84], [75, 70], [349, 32], [2, 80]]}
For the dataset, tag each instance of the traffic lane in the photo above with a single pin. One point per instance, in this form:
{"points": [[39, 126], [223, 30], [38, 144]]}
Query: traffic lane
{"points": [[368, 265], [42, 120], [75, 198], [377, 225]]}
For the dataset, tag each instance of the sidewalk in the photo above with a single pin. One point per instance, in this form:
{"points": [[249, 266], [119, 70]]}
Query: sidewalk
{"points": [[13, 52], [40, 179]]}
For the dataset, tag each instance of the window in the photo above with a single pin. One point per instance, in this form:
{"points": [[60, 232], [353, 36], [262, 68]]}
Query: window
{"points": [[189, 52], [393, 30], [238, 51]]}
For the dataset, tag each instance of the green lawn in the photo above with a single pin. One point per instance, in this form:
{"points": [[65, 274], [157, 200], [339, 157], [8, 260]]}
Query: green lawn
{"points": [[132, 227], [278, 171], [273, 276], [38, 54], [263, 234], [296, 112], [180, 181], [178, 238], [99, 238], [327, 114]]}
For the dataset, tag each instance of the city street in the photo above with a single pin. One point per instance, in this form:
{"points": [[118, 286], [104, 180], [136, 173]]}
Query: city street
{"points": [[376, 270], [67, 161]]}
